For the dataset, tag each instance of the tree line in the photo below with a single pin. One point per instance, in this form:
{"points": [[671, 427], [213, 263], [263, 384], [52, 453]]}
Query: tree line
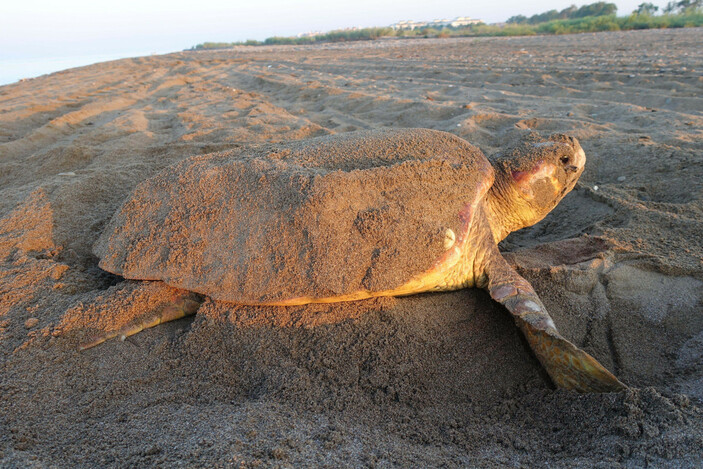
{"points": [[682, 7], [572, 12], [595, 17]]}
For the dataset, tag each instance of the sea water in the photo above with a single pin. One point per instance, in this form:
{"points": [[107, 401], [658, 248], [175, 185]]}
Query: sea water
{"points": [[14, 69]]}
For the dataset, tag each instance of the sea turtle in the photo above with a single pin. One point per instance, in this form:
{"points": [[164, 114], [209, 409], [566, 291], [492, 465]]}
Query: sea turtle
{"points": [[348, 217]]}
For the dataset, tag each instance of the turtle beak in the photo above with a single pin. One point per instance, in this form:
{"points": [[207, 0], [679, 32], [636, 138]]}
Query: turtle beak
{"points": [[575, 162]]}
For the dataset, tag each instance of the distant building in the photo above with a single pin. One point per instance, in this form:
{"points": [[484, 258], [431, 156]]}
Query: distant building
{"points": [[460, 21], [311, 34], [457, 22], [408, 24], [439, 23]]}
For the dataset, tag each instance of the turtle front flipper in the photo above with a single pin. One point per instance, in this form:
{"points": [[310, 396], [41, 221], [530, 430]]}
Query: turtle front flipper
{"points": [[567, 365]]}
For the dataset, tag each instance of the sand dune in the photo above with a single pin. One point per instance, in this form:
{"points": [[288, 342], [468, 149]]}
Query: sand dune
{"points": [[431, 380]]}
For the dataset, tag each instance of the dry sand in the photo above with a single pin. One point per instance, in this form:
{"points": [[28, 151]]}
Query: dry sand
{"points": [[431, 380]]}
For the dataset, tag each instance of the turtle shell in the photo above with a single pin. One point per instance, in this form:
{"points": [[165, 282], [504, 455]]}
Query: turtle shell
{"points": [[320, 218]]}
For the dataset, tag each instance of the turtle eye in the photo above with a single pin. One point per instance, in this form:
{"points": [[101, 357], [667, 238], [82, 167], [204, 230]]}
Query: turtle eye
{"points": [[568, 164]]}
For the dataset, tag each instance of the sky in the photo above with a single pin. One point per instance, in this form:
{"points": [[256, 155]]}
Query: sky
{"points": [[37, 36]]}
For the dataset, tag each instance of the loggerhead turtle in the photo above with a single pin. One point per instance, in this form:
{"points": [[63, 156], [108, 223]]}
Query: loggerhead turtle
{"points": [[349, 217]]}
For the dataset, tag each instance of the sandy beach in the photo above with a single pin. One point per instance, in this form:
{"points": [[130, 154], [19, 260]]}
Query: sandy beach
{"points": [[432, 380]]}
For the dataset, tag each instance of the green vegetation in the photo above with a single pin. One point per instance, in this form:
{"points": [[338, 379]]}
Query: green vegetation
{"points": [[334, 36], [594, 9], [595, 17], [646, 9], [684, 6]]}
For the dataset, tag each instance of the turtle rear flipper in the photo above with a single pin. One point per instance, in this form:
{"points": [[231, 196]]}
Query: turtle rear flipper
{"points": [[179, 305], [567, 365]]}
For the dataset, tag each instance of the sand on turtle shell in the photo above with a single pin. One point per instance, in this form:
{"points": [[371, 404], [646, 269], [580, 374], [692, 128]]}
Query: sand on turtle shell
{"points": [[318, 218], [429, 380]]}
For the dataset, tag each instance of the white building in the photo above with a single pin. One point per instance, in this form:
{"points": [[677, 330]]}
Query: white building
{"points": [[457, 22], [463, 21], [311, 34], [409, 24]]}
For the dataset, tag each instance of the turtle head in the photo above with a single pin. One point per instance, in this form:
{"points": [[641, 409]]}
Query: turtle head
{"points": [[531, 178]]}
